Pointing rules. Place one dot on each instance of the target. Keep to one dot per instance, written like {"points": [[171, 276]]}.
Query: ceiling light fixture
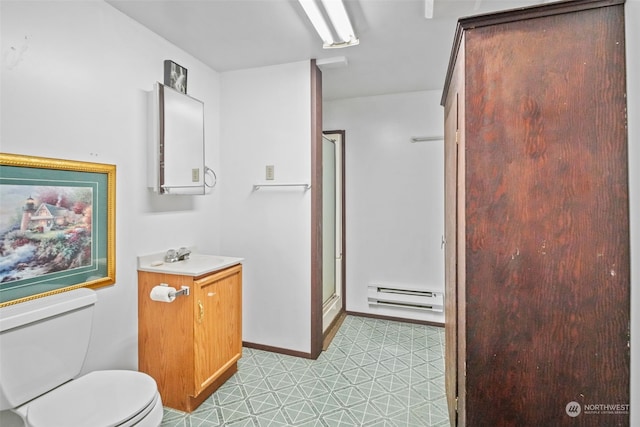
{"points": [[335, 13]]}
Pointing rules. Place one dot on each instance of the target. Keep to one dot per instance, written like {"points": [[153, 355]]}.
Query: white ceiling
{"points": [[399, 51]]}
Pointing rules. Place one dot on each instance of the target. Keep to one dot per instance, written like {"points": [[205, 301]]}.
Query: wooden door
{"points": [[217, 325]]}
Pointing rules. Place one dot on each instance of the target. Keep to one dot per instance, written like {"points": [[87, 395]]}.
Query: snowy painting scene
{"points": [[43, 230]]}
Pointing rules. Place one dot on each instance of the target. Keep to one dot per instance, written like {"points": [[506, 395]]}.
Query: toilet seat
{"points": [[100, 398]]}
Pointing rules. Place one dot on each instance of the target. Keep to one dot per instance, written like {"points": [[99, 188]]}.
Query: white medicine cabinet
{"points": [[176, 142]]}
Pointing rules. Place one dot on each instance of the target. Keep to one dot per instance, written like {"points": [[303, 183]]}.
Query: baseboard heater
{"points": [[406, 297]]}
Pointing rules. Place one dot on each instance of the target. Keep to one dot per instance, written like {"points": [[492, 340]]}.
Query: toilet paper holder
{"points": [[184, 290]]}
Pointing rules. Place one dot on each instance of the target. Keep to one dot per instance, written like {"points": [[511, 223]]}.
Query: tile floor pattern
{"points": [[375, 373]]}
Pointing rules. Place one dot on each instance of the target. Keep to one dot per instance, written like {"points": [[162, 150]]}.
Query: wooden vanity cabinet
{"points": [[537, 218], [190, 346]]}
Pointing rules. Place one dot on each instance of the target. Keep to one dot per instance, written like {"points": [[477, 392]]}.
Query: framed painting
{"points": [[57, 226], [175, 76]]}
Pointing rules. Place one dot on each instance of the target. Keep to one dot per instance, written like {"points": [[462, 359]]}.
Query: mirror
{"points": [[176, 161]]}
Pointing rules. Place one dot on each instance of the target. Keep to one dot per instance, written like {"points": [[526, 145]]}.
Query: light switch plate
{"points": [[270, 173]]}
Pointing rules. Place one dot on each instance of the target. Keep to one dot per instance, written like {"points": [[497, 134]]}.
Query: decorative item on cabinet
{"points": [[176, 144], [537, 218], [190, 345]]}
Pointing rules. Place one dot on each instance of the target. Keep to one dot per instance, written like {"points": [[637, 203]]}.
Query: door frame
{"points": [[317, 335], [343, 251]]}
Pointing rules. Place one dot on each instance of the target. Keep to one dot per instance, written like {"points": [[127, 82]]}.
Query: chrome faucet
{"points": [[183, 253], [174, 256]]}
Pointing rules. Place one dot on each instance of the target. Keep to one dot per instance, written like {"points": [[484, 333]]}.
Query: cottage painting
{"points": [[44, 229]]}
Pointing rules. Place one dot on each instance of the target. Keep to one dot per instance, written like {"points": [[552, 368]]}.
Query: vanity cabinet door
{"points": [[217, 325]]}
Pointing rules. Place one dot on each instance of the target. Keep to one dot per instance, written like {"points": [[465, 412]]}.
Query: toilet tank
{"points": [[43, 343]]}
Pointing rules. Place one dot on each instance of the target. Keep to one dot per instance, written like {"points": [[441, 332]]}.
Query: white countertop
{"points": [[196, 265]]}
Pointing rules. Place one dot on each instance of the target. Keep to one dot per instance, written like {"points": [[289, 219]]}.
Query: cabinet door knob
{"points": [[201, 314]]}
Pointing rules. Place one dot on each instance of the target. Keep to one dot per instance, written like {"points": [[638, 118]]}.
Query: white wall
{"points": [[632, 10], [266, 120], [394, 195], [74, 77]]}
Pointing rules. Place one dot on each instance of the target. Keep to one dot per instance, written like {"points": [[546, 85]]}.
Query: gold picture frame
{"points": [[57, 226]]}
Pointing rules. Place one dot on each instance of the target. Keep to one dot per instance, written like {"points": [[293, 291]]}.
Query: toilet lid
{"points": [[100, 398]]}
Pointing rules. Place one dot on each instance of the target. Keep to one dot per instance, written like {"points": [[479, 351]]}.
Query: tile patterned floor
{"points": [[375, 373]]}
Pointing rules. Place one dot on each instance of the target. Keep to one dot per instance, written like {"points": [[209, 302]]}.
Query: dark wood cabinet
{"points": [[537, 222]]}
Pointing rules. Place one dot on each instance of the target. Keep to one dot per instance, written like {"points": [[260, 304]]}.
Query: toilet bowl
{"points": [[42, 347], [100, 398]]}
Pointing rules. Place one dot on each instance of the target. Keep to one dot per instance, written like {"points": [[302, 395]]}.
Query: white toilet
{"points": [[43, 343]]}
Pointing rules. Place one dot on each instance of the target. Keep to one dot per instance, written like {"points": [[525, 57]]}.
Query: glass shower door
{"points": [[331, 228]]}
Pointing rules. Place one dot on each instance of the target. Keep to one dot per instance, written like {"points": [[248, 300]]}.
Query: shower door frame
{"points": [[339, 261]]}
